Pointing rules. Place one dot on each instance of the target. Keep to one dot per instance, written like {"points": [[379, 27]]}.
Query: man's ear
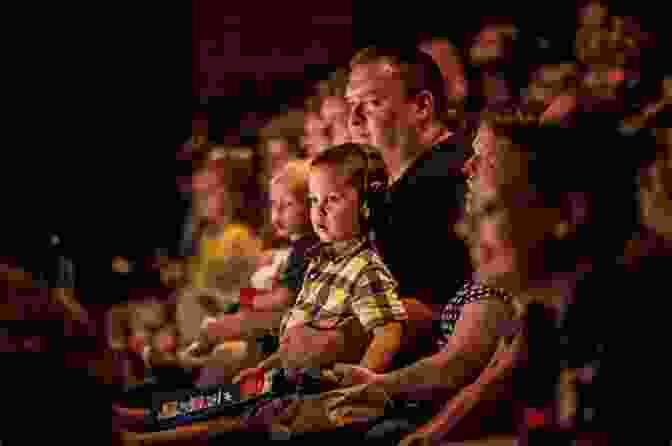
{"points": [[424, 104]]}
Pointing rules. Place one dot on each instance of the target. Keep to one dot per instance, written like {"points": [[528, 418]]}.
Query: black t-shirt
{"points": [[413, 225]]}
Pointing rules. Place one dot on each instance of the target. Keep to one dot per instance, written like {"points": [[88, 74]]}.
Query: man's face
{"points": [[335, 116], [334, 205], [380, 112], [452, 70]]}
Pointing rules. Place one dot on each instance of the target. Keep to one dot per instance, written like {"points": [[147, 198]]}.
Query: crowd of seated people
{"points": [[448, 246]]}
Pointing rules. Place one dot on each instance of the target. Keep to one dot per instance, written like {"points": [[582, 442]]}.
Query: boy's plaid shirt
{"points": [[343, 280]]}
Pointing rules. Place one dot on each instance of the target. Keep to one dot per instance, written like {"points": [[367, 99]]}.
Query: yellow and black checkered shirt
{"points": [[345, 279]]}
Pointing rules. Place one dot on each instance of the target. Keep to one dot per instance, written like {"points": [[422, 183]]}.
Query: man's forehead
{"points": [[371, 76], [333, 105]]}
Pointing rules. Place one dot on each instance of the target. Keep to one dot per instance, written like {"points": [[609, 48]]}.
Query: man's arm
{"points": [[467, 353]]}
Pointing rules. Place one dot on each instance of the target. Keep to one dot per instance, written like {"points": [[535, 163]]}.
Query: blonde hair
{"points": [[295, 175]]}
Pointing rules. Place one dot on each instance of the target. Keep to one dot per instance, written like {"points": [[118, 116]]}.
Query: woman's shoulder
{"points": [[473, 291]]}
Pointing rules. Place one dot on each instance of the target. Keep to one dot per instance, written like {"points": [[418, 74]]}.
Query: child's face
{"points": [[334, 205], [289, 214]]}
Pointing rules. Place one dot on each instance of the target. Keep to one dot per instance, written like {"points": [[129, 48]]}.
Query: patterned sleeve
{"points": [[375, 300]]}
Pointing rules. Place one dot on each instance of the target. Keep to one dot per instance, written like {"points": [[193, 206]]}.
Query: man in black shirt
{"points": [[396, 98]]}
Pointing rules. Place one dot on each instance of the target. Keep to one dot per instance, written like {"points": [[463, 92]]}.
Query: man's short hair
{"points": [[417, 69]]}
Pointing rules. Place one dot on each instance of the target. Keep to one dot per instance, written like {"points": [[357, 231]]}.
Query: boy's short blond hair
{"points": [[295, 175]]}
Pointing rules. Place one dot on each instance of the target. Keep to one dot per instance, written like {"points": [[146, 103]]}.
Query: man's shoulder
{"points": [[442, 162]]}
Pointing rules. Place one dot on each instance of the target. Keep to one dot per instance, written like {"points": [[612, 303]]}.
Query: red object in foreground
{"points": [[616, 76], [252, 384], [247, 296], [535, 418]]}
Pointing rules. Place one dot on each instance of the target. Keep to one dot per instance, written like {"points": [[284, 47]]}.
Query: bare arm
{"points": [[385, 344], [468, 351], [493, 382]]}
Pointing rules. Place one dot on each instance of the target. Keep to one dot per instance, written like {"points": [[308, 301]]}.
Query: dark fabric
{"points": [[297, 263], [629, 385], [414, 225]]}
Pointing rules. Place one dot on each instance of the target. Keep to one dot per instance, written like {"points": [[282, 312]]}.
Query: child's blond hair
{"points": [[295, 175]]}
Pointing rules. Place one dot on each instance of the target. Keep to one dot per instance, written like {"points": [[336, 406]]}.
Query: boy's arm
{"points": [[385, 343], [376, 303]]}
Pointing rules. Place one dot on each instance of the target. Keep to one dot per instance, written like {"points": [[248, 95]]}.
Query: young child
{"points": [[290, 220], [275, 291], [346, 285]]}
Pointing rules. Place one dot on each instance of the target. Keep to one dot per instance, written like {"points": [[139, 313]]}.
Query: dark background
{"points": [[115, 87]]}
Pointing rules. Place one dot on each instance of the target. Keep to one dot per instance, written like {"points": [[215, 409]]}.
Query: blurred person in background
{"points": [[501, 57], [326, 123], [229, 244], [55, 366], [280, 141], [449, 61]]}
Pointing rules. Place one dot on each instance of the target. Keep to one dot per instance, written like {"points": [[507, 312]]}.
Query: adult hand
{"points": [[559, 108], [417, 438], [352, 375]]}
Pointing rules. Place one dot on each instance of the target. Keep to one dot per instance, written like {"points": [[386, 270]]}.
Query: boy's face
{"points": [[334, 205], [289, 214]]}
